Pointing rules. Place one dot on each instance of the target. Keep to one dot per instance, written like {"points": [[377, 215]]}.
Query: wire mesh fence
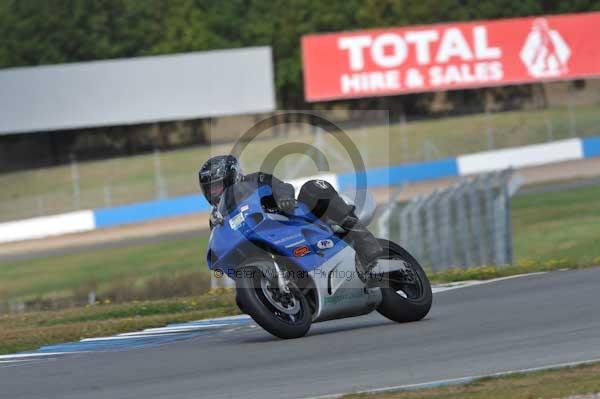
{"points": [[158, 175], [464, 225]]}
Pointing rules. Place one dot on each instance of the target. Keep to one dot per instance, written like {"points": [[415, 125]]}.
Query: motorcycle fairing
{"points": [[339, 291], [248, 230]]}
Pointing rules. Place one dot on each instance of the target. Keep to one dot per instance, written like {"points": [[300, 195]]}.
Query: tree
{"points": [[35, 32]]}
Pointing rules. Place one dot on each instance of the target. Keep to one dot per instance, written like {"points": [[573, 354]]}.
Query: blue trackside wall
{"points": [[400, 174], [591, 147], [151, 210]]}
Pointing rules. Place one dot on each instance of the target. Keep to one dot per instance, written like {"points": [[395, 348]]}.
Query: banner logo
{"points": [[545, 53]]}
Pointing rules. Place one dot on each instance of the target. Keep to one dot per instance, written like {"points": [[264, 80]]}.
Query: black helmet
{"points": [[217, 174]]}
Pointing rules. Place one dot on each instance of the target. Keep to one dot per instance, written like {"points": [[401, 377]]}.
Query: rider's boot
{"points": [[367, 247]]}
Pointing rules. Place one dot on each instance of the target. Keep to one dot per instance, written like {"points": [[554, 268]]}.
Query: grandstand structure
{"points": [[52, 114]]}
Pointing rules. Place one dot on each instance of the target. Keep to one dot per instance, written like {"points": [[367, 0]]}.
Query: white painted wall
{"points": [[74, 222], [531, 155]]}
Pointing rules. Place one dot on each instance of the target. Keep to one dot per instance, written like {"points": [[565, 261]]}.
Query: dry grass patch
{"points": [[540, 385]]}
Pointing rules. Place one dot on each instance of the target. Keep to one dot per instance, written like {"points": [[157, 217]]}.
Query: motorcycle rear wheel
{"points": [[284, 315], [405, 300]]}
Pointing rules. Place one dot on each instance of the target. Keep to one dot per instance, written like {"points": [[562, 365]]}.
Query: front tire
{"points": [[283, 315], [404, 301]]}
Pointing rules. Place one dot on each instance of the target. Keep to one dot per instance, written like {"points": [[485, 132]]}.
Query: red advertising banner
{"points": [[450, 56]]}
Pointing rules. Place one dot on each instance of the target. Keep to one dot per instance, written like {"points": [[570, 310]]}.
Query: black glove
{"points": [[215, 218], [286, 205]]}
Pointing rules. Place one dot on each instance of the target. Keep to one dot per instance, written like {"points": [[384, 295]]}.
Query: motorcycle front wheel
{"points": [[285, 315], [407, 295]]}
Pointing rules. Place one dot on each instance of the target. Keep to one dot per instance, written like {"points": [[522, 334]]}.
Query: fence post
{"points": [[513, 184], [489, 130], [320, 144], [161, 191], [450, 228], [503, 216], [383, 222], [417, 230], [570, 101], [549, 128], [40, 205], [462, 225], [364, 138], [432, 233], [404, 137], [475, 219], [490, 222], [107, 196], [500, 230], [429, 232], [75, 182], [405, 226]]}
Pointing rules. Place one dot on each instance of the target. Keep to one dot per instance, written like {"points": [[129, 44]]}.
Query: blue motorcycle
{"points": [[292, 270]]}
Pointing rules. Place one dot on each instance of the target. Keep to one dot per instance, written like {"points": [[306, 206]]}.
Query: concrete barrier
{"points": [[47, 226], [531, 155]]}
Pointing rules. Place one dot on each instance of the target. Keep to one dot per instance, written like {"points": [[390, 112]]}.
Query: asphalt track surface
{"points": [[519, 323]]}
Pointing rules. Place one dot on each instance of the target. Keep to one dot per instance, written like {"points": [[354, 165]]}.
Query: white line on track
{"points": [[21, 358], [471, 283], [183, 328], [154, 332], [16, 361], [226, 318], [457, 381], [31, 355], [116, 338]]}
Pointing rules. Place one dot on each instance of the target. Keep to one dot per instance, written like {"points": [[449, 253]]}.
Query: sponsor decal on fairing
{"points": [[237, 221], [324, 244], [301, 251]]}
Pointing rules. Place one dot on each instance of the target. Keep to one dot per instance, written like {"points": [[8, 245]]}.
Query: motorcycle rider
{"points": [[219, 180]]}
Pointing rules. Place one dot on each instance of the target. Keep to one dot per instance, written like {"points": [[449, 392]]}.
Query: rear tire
{"points": [[257, 298], [416, 300]]}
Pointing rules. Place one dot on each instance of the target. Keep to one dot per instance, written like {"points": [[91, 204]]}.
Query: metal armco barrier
{"points": [[464, 225]]}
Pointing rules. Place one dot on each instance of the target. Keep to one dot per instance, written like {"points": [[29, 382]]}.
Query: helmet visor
{"points": [[215, 190]]}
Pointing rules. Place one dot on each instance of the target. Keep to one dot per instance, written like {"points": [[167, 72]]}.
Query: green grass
{"points": [[126, 180], [560, 383], [150, 269], [558, 226], [30, 330]]}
